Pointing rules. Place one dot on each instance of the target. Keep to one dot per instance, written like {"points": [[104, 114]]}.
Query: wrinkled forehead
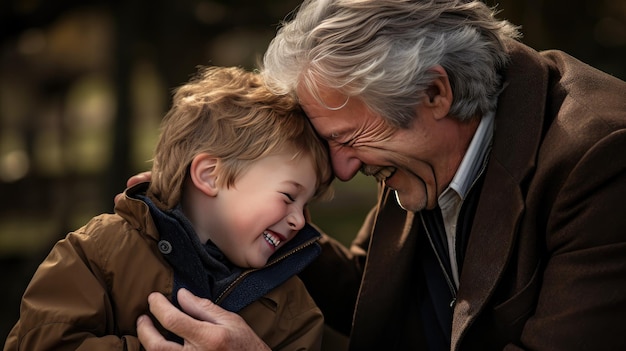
{"points": [[319, 100]]}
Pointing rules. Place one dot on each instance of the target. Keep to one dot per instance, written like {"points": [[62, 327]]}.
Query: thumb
{"points": [[199, 308]]}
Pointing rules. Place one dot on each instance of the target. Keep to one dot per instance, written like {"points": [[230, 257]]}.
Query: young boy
{"points": [[233, 170]]}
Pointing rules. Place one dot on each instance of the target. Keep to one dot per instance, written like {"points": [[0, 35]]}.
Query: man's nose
{"points": [[345, 164]]}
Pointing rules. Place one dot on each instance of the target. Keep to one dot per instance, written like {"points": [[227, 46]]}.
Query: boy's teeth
{"points": [[271, 239]]}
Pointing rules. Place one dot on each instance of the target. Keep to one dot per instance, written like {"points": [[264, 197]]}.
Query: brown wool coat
{"points": [[545, 267], [89, 291]]}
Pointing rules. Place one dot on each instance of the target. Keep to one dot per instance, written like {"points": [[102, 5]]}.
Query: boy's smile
{"points": [[274, 239]]}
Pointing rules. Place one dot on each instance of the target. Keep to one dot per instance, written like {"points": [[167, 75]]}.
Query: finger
{"points": [[150, 337], [171, 317], [199, 308], [139, 178], [216, 328], [117, 198]]}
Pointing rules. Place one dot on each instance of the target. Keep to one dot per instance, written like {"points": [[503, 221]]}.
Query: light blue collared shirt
{"points": [[452, 198]]}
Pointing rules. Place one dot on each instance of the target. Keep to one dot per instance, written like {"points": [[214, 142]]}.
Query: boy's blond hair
{"points": [[228, 113]]}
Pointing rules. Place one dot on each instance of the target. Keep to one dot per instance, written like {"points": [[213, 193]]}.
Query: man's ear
{"points": [[203, 172], [439, 94]]}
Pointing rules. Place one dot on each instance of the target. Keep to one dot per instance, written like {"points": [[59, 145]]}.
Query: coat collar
{"points": [[518, 129], [136, 212]]}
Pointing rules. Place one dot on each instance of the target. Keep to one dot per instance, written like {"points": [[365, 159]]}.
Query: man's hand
{"points": [[206, 327], [136, 179]]}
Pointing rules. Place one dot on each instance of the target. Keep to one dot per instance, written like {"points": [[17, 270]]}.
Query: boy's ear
{"points": [[439, 94], [203, 172]]}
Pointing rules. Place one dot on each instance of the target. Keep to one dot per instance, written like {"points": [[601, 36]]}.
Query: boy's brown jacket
{"points": [[93, 285]]}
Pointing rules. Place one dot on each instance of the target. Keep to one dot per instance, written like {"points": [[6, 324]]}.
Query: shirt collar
{"points": [[473, 160]]}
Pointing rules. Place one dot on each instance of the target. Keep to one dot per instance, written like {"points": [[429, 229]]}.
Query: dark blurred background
{"points": [[84, 84]]}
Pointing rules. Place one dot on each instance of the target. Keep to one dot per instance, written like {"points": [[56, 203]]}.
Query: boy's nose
{"points": [[296, 220]]}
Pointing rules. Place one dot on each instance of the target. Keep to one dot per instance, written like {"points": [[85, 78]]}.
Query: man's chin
{"points": [[410, 205]]}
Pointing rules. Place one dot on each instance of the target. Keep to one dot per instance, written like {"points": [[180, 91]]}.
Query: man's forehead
{"points": [[319, 99]]}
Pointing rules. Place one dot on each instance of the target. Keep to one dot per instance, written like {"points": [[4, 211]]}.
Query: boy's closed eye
{"points": [[289, 197]]}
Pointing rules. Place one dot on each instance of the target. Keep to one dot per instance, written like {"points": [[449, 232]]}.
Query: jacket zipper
{"points": [[236, 282]]}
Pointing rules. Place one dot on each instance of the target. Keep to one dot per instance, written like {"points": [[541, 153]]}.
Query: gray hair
{"points": [[382, 52]]}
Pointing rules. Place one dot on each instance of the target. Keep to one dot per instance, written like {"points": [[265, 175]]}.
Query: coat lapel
{"points": [[518, 128], [387, 273]]}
